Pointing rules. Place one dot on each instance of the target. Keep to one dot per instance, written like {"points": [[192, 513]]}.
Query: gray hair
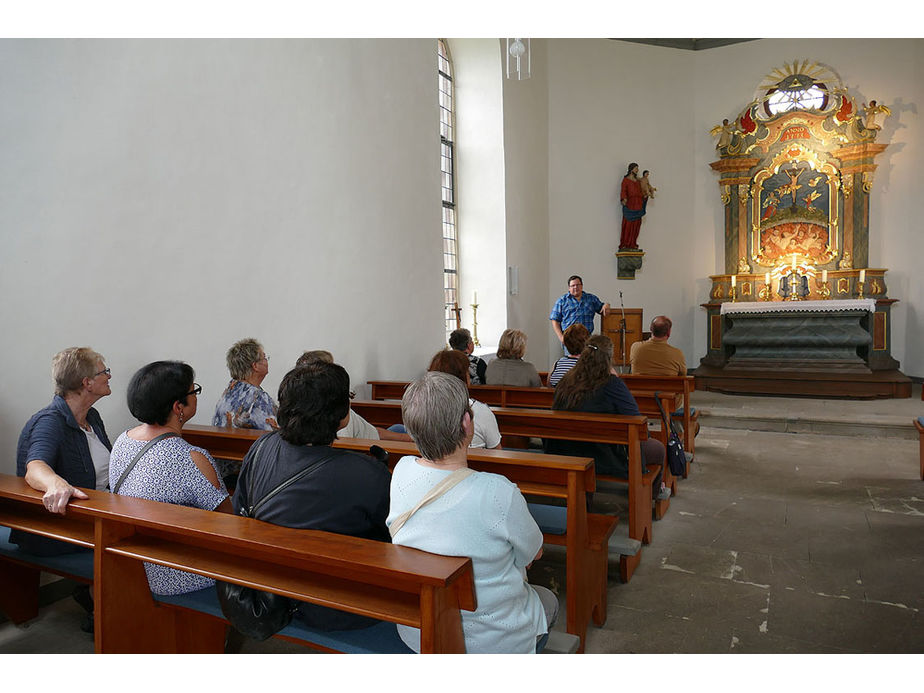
{"points": [[71, 366], [432, 409], [241, 357]]}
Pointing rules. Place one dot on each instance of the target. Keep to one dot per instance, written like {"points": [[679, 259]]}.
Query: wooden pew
{"points": [[567, 425], [585, 536], [681, 386], [543, 397], [391, 583], [919, 424]]}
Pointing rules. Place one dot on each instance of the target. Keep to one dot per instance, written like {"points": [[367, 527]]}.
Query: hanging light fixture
{"points": [[519, 57]]}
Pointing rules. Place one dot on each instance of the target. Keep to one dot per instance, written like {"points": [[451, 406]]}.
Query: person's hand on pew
{"points": [[272, 422], [57, 491]]}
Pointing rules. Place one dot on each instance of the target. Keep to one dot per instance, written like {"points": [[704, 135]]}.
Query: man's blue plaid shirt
{"points": [[569, 310]]}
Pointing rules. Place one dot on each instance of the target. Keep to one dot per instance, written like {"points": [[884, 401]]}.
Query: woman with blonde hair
{"points": [[509, 368], [64, 447], [593, 386]]}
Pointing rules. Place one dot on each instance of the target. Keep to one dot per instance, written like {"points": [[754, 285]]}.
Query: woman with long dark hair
{"points": [[593, 386]]}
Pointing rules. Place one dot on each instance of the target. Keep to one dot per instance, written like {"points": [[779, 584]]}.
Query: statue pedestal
{"points": [[627, 262]]}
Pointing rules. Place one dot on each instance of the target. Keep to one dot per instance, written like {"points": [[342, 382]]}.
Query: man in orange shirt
{"points": [[656, 356]]}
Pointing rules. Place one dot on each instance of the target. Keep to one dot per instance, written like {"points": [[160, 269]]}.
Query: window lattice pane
{"points": [[447, 184]]}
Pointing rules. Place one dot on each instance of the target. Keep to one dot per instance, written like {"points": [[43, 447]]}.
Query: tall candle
{"points": [[824, 276], [734, 280], [794, 261], [767, 279], [475, 297], [862, 275]]}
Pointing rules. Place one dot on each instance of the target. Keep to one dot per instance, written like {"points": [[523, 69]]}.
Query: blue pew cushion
{"points": [[77, 564], [381, 638], [552, 519]]}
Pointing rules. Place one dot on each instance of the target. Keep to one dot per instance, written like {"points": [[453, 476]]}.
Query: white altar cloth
{"points": [[798, 306]]}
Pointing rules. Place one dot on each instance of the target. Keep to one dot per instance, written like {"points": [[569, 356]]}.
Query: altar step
{"points": [[802, 381], [866, 418]]}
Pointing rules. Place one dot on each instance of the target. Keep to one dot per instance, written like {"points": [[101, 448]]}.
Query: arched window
{"points": [[447, 152]]}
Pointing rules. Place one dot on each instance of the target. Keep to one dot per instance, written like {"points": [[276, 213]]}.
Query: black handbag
{"points": [[676, 459], [254, 613]]}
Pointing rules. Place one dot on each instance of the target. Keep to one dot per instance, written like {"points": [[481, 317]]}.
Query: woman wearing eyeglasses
{"points": [[64, 447], [153, 461], [244, 404]]}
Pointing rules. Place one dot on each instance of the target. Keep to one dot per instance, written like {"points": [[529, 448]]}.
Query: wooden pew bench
{"points": [[395, 584], [562, 479], [567, 425], [919, 424], [680, 386], [543, 397]]}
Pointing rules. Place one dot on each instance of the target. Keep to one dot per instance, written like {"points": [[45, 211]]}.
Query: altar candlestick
{"points": [[863, 275]]}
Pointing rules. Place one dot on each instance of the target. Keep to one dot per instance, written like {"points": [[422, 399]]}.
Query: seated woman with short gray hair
{"points": [[466, 513], [244, 404]]}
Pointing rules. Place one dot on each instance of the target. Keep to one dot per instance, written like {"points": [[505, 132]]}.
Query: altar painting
{"points": [[793, 213]]}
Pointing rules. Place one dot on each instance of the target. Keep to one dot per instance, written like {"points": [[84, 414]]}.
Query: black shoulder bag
{"points": [[676, 459], [255, 613]]}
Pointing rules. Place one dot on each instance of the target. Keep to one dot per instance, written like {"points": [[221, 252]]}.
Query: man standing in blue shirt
{"points": [[576, 306]]}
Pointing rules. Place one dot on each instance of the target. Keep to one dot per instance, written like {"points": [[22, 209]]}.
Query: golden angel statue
{"points": [[872, 113], [725, 132]]}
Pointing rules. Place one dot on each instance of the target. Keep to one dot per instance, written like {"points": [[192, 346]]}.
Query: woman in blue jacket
{"points": [[64, 447]]}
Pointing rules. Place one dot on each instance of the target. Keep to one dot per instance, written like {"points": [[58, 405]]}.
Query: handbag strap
{"points": [[131, 465], [664, 417], [252, 510], [431, 495]]}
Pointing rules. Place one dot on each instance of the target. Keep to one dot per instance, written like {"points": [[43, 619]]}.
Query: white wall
{"points": [[526, 150], [162, 199], [612, 103]]}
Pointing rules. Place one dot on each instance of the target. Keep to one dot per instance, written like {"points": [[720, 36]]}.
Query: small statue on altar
{"points": [[872, 113], [725, 133]]}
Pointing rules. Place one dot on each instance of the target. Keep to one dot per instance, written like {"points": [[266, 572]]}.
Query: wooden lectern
{"points": [[611, 328]]}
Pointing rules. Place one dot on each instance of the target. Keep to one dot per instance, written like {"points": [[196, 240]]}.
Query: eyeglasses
{"points": [[197, 389], [107, 371]]}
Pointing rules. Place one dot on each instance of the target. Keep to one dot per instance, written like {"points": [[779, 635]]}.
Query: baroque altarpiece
{"points": [[797, 309]]}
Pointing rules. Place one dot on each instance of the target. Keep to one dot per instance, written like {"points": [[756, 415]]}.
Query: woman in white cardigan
{"points": [[480, 515]]}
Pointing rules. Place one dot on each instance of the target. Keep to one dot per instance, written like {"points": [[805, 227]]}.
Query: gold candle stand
{"points": [[475, 324]]}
